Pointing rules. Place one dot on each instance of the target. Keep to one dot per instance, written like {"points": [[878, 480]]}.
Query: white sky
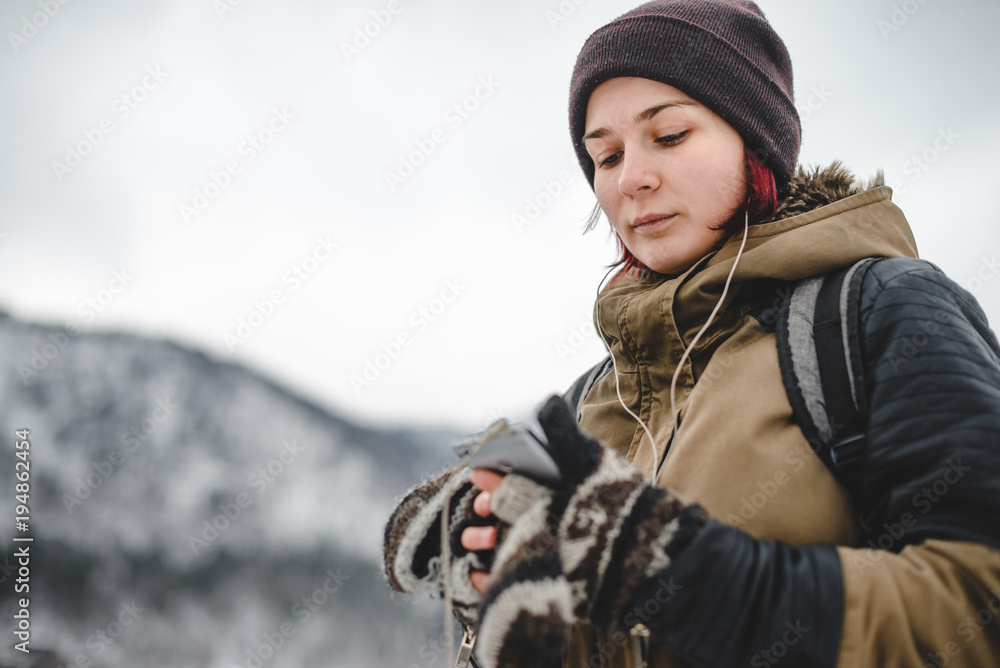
{"points": [[518, 323]]}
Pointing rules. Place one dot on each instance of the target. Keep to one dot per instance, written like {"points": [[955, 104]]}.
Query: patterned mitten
{"points": [[412, 543], [574, 552]]}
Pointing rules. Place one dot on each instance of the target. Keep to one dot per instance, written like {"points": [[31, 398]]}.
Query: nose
{"points": [[638, 173]]}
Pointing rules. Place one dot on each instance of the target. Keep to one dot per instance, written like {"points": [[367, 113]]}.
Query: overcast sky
{"points": [[376, 203]]}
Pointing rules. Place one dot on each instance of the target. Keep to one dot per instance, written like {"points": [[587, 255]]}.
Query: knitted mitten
{"points": [[574, 552], [412, 542]]}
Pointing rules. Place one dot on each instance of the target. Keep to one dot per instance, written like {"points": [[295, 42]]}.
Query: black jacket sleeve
{"points": [[932, 375], [931, 371]]}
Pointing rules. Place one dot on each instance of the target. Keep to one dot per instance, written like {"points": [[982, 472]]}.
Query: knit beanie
{"points": [[722, 53]]}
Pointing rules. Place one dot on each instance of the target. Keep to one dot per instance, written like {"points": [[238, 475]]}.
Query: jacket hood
{"points": [[826, 220]]}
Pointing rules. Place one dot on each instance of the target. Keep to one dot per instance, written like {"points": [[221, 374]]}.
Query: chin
{"points": [[662, 265], [670, 268]]}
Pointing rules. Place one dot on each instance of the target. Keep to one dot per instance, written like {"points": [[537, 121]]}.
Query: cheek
{"points": [[609, 200], [713, 173], [718, 180]]}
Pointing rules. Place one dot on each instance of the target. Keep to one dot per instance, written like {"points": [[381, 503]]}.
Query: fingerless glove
{"points": [[412, 541], [577, 551]]}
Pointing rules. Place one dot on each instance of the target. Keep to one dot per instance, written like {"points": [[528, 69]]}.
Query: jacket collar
{"points": [[826, 220]]}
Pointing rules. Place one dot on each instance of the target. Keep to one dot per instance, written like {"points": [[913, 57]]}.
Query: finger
{"points": [[486, 479], [482, 504], [516, 496], [479, 538], [480, 581]]}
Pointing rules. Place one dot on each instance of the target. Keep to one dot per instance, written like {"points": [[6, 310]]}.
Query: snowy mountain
{"points": [[189, 512]]}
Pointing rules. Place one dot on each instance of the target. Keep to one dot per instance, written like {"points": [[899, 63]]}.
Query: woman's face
{"points": [[667, 170]]}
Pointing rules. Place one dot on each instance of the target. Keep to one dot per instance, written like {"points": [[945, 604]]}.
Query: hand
{"points": [[412, 543], [573, 552], [482, 538]]}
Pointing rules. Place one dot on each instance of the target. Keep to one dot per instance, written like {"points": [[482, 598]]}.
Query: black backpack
{"points": [[819, 351]]}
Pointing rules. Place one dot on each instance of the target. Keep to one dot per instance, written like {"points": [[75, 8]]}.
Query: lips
{"points": [[652, 221]]}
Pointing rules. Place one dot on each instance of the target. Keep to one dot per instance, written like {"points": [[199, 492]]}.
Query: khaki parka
{"points": [[739, 453]]}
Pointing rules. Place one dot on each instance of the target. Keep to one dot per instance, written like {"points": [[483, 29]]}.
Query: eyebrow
{"points": [[641, 117]]}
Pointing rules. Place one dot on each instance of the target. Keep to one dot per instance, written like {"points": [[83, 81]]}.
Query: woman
{"points": [[693, 515]]}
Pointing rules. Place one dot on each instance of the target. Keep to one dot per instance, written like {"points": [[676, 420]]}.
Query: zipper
{"points": [[640, 641], [465, 651], [670, 444]]}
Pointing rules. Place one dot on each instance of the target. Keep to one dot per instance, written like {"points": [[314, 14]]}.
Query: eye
{"points": [[670, 140], [610, 160]]}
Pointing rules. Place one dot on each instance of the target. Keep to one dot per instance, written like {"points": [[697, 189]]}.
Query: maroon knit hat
{"points": [[723, 53]]}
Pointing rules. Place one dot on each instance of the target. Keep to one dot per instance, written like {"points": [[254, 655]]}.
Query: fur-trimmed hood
{"points": [[812, 188], [826, 220]]}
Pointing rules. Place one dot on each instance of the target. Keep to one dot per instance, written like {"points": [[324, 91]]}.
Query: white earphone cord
{"points": [[684, 357], [445, 546]]}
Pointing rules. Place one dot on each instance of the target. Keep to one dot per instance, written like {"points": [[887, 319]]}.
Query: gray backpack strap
{"points": [[577, 392], [819, 352]]}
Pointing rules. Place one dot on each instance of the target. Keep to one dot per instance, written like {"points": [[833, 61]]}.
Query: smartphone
{"points": [[519, 448]]}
